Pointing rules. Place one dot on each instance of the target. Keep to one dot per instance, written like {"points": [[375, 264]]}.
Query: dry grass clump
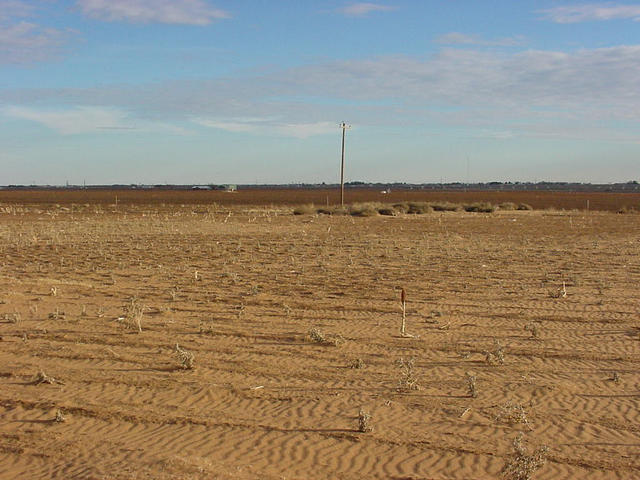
{"points": [[11, 317], [512, 414], [334, 210], [56, 315], [561, 292], [364, 209], [185, 357], [367, 209], [402, 207], [42, 377], [205, 329], [408, 380], [524, 206], [364, 422], [133, 312], [533, 328], [358, 363], [173, 294], [445, 207], [626, 209], [59, 418], [522, 464], [370, 209], [472, 388], [340, 210], [479, 207], [416, 208], [316, 335], [387, 211], [308, 209], [497, 356]]}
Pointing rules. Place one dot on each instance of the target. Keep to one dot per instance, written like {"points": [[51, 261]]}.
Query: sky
{"points": [[254, 91]]}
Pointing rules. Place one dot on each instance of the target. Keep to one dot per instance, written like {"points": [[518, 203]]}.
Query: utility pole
{"points": [[344, 127]]}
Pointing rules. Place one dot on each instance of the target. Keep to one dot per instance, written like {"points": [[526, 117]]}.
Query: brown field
{"points": [[537, 199], [96, 297]]}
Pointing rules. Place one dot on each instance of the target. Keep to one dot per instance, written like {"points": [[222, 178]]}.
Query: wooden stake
{"points": [[403, 301]]}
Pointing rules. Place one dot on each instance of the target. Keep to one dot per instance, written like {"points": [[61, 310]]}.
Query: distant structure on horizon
{"points": [[632, 186], [227, 187]]}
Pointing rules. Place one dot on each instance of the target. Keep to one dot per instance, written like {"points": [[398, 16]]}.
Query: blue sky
{"points": [[244, 91]]}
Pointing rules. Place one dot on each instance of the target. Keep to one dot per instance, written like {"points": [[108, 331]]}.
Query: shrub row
{"points": [[417, 208]]}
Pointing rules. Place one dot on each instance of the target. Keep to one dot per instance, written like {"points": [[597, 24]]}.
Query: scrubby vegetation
{"points": [[370, 209]]}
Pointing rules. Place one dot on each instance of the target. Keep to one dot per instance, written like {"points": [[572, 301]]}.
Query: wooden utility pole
{"points": [[344, 127]]}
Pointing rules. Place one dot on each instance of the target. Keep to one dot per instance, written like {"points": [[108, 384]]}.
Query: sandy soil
{"points": [[240, 289]]}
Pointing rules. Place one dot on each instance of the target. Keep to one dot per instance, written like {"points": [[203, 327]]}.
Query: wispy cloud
{"points": [[604, 77], [228, 125], [86, 119], [496, 134], [362, 9], [22, 41], [267, 126], [14, 8], [186, 12], [26, 42], [305, 130], [456, 38], [457, 86], [592, 12], [72, 121]]}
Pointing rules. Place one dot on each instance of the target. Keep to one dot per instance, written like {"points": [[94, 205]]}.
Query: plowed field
{"points": [[538, 199]]}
